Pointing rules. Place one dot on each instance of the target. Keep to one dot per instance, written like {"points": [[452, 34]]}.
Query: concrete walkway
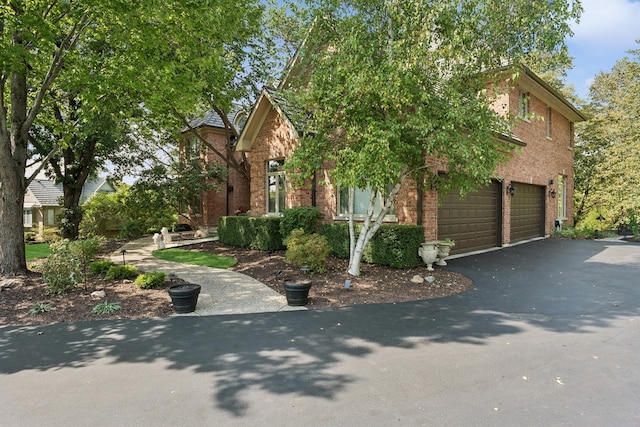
{"points": [[223, 291]]}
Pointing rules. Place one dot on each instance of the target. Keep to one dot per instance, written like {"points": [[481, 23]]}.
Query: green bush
{"points": [[261, 233], [106, 308], [396, 246], [61, 271], [100, 267], [305, 217], [307, 249], [50, 234], [131, 229], [151, 280], [121, 272], [30, 236], [393, 245]]}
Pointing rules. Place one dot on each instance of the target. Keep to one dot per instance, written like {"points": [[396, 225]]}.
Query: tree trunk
{"points": [[72, 213], [12, 255]]}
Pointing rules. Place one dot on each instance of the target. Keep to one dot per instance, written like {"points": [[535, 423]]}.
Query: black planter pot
{"points": [[184, 297], [297, 291]]}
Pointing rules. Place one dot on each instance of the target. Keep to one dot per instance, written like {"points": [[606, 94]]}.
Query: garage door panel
{"points": [[473, 221], [527, 212]]}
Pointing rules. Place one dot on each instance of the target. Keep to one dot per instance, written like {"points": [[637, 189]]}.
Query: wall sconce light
{"points": [[552, 193], [550, 182], [230, 188], [511, 190]]}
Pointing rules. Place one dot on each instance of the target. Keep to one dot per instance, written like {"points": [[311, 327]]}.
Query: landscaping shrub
{"points": [[50, 234], [150, 280], [121, 272], [100, 267], [131, 229], [307, 249], [30, 236], [337, 234], [305, 217], [396, 246], [61, 271], [261, 233]]}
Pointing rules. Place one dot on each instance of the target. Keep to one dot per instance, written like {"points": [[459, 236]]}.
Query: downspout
{"points": [[314, 185]]}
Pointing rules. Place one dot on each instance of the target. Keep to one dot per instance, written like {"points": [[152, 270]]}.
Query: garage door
{"points": [[527, 212], [473, 222]]}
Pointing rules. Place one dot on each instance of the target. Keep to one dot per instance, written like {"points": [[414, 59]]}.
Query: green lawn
{"points": [[195, 258], [37, 250]]}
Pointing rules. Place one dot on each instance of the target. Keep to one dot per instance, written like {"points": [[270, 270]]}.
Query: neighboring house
{"points": [[233, 197], [42, 201], [526, 197]]}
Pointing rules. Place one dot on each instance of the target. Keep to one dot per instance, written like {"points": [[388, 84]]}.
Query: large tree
{"points": [[398, 90], [608, 159], [89, 63]]}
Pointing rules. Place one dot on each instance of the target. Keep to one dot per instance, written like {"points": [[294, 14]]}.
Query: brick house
{"points": [[233, 196], [526, 197]]}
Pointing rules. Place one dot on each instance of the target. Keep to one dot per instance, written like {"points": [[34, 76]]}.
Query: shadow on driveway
{"points": [[557, 285]]}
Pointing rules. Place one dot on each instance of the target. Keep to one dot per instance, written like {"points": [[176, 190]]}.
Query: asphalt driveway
{"points": [[549, 336]]}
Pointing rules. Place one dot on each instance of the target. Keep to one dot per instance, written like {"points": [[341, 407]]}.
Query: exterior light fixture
{"points": [[552, 193], [123, 251], [511, 190]]}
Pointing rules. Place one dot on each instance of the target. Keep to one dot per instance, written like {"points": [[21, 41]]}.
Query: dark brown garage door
{"points": [[527, 212], [473, 222]]}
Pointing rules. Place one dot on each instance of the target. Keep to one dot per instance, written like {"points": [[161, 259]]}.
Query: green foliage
{"points": [[305, 217], [100, 267], [86, 249], [37, 250], [41, 307], [607, 165], [50, 234], [30, 236], [121, 272], [150, 280], [395, 246], [106, 308], [131, 229], [194, 257], [337, 234], [591, 222], [250, 232], [61, 271], [103, 215], [574, 233], [309, 250]]}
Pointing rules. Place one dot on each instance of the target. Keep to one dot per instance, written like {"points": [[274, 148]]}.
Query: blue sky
{"points": [[607, 29]]}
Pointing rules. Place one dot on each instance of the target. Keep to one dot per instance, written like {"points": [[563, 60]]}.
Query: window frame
{"points": [[562, 197], [27, 218], [280, 186], [342, 215], [524, 106], [548, 122]]}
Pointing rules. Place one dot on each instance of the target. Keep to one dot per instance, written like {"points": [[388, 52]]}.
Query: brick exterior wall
{"points": [[233, 195], [542, 159]]}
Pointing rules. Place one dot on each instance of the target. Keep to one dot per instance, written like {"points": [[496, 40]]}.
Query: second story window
{"points": [[193, 149], [523, 104], [547, 120]]}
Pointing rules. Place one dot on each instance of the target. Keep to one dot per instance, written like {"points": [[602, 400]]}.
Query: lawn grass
{"points": [[36, 250], [195, 258]]}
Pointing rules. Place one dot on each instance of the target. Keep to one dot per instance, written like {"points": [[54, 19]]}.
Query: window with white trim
{"points": [[523, 104], [548, 122], [562, 196], [27, 218], [51, 216], [361, 203], [276, 187]]}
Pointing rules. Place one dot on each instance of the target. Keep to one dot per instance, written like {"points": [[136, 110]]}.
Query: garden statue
{"points": [[157, 239]]}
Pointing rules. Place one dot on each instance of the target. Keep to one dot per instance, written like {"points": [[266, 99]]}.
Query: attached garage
{"points": [[474, 222], [527, 212]]}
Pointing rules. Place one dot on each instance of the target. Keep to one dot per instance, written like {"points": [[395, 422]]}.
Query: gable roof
{"points": [[45, 192], [269, 100], [212, 119]]}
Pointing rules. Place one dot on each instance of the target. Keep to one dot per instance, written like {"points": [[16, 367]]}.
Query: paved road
{"points": [[549, 337]]}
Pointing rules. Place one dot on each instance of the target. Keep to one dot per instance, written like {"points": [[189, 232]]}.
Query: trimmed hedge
{"points": [[305, 217], [261, 233], [393, 245]]}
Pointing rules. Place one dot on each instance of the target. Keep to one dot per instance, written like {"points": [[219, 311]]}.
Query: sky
{"points": [[607, 29]]}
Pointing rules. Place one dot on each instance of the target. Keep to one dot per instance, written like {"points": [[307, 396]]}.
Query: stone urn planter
{"points": [[297, 291], [184, 297], [444, 248], [429, 253]]}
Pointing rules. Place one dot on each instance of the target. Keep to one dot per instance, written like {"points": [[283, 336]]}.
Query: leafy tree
{"points": [[399, 90], [82, 59], [608, 159]]}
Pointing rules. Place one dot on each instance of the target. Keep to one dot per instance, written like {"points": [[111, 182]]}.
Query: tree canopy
{"points": [[75, 70], [398, 89], [608, 159]]}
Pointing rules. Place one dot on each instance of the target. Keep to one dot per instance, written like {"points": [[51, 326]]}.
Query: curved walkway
{"points": [[223, 291]]}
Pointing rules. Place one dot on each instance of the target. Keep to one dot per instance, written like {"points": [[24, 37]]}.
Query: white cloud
{"points": [[611, 23]]}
